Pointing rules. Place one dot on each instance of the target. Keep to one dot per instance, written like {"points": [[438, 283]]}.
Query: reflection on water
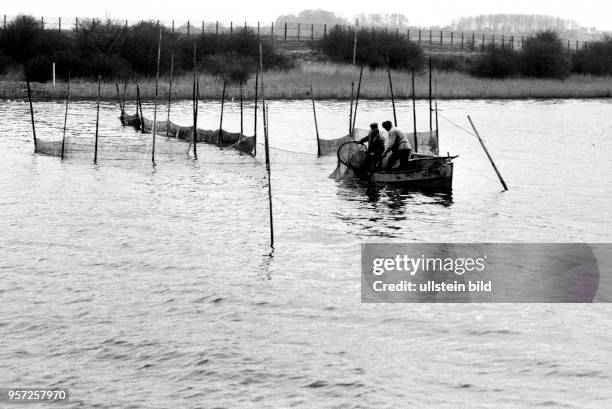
{"points": [[119, 276]]}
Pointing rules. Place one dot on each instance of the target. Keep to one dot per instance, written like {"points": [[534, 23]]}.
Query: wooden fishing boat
{"points": [[422, 171]]}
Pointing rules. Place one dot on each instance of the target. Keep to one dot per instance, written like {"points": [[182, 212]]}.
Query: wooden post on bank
{"points": [[501, 179]]}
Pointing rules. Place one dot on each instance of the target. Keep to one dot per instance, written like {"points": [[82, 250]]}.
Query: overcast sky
{"points": [[589, 13]]}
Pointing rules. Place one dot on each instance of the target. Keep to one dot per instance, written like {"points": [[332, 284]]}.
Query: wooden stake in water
{"points": [[196, 102], [119, 98], [391, 88], [221, 119], [97, 120], [31, 106], [351, 110], [66, 114], [355, 49], [267, 151], [314, 111], [414, 118], [436, 109], [139, 110], [156, 94], [501, 179], [170, 94], [357, 98], [430, 99], [241, 113], [255, 117]]}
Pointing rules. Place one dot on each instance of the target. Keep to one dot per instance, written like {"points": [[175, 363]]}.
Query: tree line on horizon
{"points": [[110, 49], [114, 51]]}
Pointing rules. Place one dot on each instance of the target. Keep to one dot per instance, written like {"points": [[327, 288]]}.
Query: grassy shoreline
{"points": [[330, 81]]}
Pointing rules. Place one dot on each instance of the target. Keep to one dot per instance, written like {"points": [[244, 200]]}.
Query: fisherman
{"points": [[398, 145], [376, 146]]}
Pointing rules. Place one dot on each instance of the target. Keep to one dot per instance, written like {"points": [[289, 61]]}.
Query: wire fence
{"points": [[308, 33]]}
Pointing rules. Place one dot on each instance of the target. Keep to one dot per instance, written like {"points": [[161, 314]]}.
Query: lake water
{"points": [[142, 286]]}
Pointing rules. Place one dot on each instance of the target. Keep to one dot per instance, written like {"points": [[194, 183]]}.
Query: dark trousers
{"points": [[402, 155]]}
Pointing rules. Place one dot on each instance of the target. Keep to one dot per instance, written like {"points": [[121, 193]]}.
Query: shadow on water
{"points": [[395, 198]]}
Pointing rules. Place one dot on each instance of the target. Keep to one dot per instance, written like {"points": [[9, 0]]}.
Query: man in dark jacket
{"points": [[376, 146]]}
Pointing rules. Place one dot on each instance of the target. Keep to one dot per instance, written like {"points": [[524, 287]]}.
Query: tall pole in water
{"points": [[31, 106], [241, 113], [196, 89], [357, 98], [255, 116], [314, 111], [430, 103], [221, 119], [156, 94], [139, 110], [351, 111], [436, 108], [414, 119], [170, 94], [501, 179], [120, 99], [267, 150], [391, 88], [97, 120], [66, 115]]}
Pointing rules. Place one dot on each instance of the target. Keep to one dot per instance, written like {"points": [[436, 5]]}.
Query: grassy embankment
{"points": [[332, 81]]}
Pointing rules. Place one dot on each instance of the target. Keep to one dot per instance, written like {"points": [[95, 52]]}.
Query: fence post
{"points": [[408, 33], [258, 29], [272, 31], [397, 32], [462, 40], [473, 40], [483, 42], [512, 42], [324, 31], [245, 26], [298, 31], [76, 23], [419, 36], [503, 42], [172, 26], [430, 38], [285, 37], [568, 46], [312, 32], [577, 47], [42, 23], [59, 24], [452, 36], [188, 27], [493, 39], [441, 33], [522, 42], [5, 21], [231, 28]]}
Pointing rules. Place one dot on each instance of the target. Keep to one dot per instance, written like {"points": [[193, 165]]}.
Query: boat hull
{"points": [[438, 175]]}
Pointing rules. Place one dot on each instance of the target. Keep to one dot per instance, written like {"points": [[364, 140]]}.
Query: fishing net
{"points": [[171, 141], [330, 146], [427, 142], [352, 161]]}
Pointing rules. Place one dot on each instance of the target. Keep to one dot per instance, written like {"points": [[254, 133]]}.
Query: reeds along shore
{"points": [[330, 81]]}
